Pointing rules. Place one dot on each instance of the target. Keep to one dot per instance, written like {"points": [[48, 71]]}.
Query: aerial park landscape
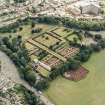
{"points": [[48, 57]]}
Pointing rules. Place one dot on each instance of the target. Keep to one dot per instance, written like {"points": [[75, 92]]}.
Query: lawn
{"points": [[90, 91], [47, 40], [71, 37], [33, 57], [61, 31], [29, 46], [26, 31], [43, 71]]}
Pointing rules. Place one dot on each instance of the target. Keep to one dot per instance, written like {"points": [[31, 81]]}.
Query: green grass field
{"points": [[47, 40], [26, 31], [71, 37], [90, 91], [61, 31], [43, 71]]}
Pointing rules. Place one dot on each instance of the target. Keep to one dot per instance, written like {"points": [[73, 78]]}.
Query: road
{"points": [[9, 70]]}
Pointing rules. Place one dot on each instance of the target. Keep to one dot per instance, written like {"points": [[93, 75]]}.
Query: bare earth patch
{"points": [[76, 75]]}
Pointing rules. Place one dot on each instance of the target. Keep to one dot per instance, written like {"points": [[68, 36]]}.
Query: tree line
{"points": [[18, 53], [73, 23], [89, 25]]}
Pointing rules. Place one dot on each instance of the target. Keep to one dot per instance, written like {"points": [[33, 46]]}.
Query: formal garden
{"points": [[47, 40], [68, 58], [62, 32]]}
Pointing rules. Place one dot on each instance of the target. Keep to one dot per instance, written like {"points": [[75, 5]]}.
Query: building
{"points": [[90, 8], [85, 7]]}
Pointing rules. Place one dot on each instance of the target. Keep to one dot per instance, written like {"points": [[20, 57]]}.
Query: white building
{"points": [[86, 7], [90, 8]]}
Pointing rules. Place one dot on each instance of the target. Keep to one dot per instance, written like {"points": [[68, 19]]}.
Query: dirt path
{"points": [[9, 70]]}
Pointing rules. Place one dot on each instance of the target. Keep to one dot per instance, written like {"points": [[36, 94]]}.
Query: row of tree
{"points": [[73, 23], [18, 53], [68, 22]]}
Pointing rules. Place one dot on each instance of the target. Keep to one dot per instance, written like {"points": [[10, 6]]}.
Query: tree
{"points": [[75, 40], [5, 40], [83, 57], [42, 84], [33, 25], [74, 64], [96, 47], [102, 43], [20, 28], [23, 61], [54, 73], [80, 38], [30, 98], [30, 76], [98, 37]]}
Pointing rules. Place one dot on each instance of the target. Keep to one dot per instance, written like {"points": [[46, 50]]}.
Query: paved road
{"points": [[10, 71]]}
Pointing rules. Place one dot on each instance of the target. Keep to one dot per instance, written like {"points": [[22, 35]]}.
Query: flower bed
{"points": [[76, 75]]}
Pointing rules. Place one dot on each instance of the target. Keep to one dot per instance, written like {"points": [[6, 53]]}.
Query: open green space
{"points": [[63, 32], [71, 37], [90, 91], [29, 46], [43, 71], [33, 57], [47, 40], [26, 31]]}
